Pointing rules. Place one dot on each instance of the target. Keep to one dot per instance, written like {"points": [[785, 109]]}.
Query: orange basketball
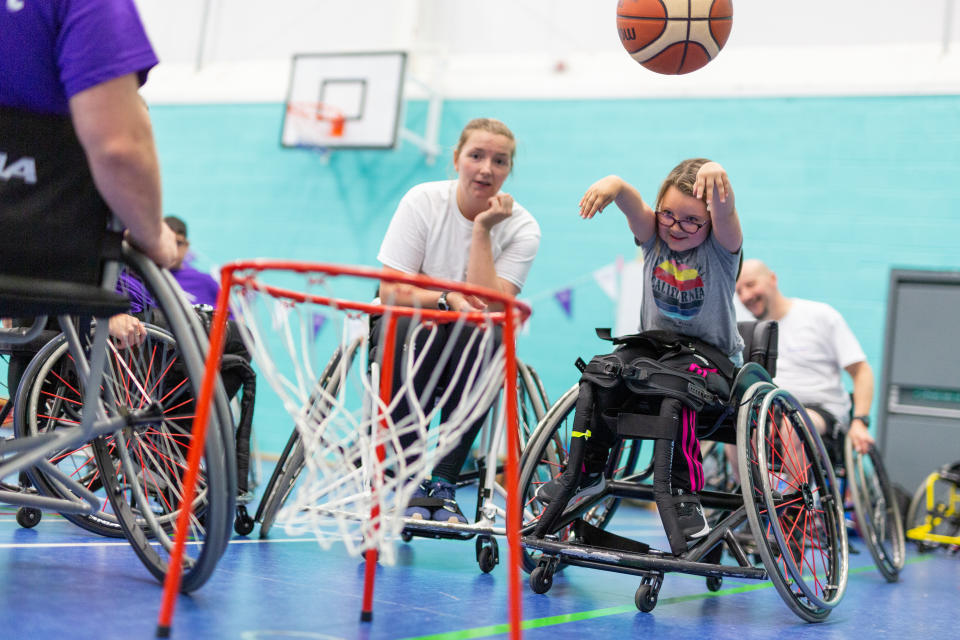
{"points": [[674, 36]]}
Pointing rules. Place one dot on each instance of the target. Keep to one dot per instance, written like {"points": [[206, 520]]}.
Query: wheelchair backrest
{"points": [[760, 343]]}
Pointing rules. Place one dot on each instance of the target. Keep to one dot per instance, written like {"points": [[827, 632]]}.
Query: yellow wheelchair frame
{"points": [[934, 515]]}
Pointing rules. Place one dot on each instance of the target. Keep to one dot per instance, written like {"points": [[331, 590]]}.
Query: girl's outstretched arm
{"points": [[640, 216], [713, 180]]}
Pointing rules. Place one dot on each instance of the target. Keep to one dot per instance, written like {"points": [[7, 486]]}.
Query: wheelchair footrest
{"points": [[592, 536], [416, 528]]}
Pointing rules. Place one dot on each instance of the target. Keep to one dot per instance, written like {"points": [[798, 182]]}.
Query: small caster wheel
{"points": [[645, 598], [541, 579], [406, 536], [28, 517], [488, 557], [714, 583], [243, 523]]}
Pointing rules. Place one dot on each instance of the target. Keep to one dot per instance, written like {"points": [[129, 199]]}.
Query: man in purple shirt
{"points": [[76, 143], [71, 115], [200, 287]]}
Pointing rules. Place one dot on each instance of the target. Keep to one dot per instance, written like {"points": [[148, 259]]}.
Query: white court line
{"points": [[124, 543]]}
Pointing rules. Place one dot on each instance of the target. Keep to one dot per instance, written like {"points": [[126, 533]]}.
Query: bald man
{"points": [[815, 347]]}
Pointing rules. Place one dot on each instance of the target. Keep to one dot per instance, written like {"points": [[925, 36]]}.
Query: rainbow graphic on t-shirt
{"points": [[677, 289]]}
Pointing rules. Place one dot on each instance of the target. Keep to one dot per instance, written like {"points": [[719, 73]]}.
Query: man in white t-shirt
{"points": [[815, 347]]}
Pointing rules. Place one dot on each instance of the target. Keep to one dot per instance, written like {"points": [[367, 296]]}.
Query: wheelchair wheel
{"points": [[875, 505], [934, 511], [142, 466], [792, 502], [533, 396], [50, 397], [545, 457], [291, 461]]}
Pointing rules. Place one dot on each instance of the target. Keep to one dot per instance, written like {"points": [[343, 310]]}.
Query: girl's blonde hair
{"points": [[683, 177], [490, 126]]}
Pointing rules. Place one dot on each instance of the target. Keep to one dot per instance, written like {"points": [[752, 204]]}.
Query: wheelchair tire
{"points": [[142, 466], [876, 507], [291, 461], [545, 457], [792, 502], [50, 397]]}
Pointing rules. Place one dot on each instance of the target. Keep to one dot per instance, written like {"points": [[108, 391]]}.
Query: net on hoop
{"points": [[315, 123], [373, 417]]}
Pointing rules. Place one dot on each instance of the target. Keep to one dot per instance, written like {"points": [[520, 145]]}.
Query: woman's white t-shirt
{"points": [[429, 235]]}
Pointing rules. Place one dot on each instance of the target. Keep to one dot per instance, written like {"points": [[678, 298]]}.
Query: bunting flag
{"points": [[317, 322], [608, 278], [565, 298]]}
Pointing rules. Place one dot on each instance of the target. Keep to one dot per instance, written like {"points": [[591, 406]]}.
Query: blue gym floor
{"points": [[61, 582]]}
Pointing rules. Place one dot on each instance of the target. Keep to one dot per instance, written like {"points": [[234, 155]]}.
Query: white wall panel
{"points": [[234, 50]]}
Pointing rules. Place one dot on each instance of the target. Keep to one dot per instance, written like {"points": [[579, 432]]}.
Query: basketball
{"points": [[674, 36]]}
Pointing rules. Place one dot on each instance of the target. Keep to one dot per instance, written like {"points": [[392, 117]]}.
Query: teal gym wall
{"points": [[832, 193]]}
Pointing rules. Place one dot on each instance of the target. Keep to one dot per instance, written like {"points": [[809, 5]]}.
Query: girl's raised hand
{"points": [[599, 195], [712, 176]]}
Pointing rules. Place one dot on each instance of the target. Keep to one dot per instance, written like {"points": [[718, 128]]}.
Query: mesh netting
{"points": [[367, 443]]}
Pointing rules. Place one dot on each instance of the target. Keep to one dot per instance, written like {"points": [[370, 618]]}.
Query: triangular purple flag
{"points": [[565, 297], [318, 321]]}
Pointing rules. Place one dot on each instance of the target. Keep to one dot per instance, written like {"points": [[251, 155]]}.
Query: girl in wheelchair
{"points": [[691, 241]]}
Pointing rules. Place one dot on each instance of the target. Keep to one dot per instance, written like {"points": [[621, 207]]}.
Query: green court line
{"points": [[536, 623]]}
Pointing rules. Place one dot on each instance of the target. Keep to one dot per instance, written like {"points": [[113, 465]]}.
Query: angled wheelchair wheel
{"points": [[50, 397], [792, 502], [933, 518], [875, 505], [143, 465], [545, 457], [291, 461]]}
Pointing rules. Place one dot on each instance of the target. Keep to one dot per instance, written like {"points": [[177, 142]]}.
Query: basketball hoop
{"points": [[314, 122], [358, 477]]}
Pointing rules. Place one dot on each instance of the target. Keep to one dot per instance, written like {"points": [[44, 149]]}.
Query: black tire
{"points": [[645, 598], [541, 579], [291, 461], [545, 458], [877, 510], [142, 467], [714, 583], [792, 502], [28, 517], [243, 523], [487, 558]]}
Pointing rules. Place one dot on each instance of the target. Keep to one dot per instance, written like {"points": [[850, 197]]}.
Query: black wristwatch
{"points": [[442, 303], [865, 419]]}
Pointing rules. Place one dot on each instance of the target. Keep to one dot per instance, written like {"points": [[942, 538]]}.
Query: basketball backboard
{"points": [[344, 100]]}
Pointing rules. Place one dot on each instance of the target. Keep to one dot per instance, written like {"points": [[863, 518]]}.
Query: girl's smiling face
{"points": [[687, 211]]}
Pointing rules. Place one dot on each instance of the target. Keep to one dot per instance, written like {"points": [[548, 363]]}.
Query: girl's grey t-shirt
{"points": [[691, 292]]}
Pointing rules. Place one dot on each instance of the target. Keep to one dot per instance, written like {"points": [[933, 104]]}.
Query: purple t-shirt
{"points": [[51, 50], [200, 287]]}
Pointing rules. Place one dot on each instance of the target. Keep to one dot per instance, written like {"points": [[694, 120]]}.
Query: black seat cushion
{"points": [[25, 297]]}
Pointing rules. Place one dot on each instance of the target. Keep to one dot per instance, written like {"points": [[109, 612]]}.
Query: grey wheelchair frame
{"points": [[48, 397], [139, 451]]}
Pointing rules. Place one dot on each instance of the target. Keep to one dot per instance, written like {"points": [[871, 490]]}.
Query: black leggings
{"points": [[448, 468]]}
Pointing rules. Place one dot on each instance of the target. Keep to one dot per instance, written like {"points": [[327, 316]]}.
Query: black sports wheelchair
{"points": [[786, 508]]}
